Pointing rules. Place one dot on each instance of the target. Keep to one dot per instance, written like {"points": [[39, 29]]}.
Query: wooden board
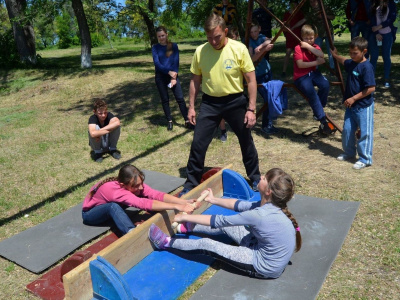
{"points": [[134, 246]]}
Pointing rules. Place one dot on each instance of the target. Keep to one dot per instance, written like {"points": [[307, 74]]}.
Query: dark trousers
{"points": [[232, 109], [162, 82], [316, 100]]}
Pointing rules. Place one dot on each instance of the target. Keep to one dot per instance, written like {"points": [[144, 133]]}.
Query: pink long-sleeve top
{"points": [[112, 192]]}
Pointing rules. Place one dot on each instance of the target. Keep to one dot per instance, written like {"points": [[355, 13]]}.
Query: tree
{"points": [[148, 10], [86, 41], [24, 35]]}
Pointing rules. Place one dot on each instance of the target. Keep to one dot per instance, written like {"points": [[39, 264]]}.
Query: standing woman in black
{"points": [[166, 62]]}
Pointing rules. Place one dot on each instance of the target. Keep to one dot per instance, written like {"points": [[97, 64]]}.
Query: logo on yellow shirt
{"points": [[229, 64]]}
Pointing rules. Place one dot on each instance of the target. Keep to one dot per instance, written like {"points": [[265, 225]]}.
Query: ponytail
{"points": [[101, 183], [169, 51], [296, 227]]}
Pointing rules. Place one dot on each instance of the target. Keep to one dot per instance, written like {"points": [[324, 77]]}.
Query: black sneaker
{"points": [[183, 192], [255, 185], [325, 129], [116, 154], [170, 126], [98, 157], [224, 137], [270, 129], [188, 125]]}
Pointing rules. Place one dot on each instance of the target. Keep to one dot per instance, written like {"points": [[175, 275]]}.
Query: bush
{"points": [[9, 56], [97, 40]]}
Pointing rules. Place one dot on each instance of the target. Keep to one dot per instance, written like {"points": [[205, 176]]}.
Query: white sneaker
{"points": [[343, 157], [359, 165]]}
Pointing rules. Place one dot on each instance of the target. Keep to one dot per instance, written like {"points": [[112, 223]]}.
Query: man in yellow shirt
{"points": [[220, 66]]}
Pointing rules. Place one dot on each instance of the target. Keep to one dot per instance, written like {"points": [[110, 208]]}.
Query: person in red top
{"points": [[307, 56], [107, 199], [295, 26]]}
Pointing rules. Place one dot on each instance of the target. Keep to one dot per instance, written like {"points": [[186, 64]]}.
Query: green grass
{"points": [[46, 166]]}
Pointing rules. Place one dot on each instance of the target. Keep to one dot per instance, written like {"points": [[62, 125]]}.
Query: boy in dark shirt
{"points": [[359, 102], [104, 131]]}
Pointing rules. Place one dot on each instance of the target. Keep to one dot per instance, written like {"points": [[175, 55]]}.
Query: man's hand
{"points": [[192, 116], [250, 119]]}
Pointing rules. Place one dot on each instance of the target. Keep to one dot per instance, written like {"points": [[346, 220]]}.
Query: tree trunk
{"points": [[24, 35], [86, 41], [149, 22]]}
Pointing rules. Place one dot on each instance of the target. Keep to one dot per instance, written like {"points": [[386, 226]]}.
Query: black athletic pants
{"points": [[232, 109]]}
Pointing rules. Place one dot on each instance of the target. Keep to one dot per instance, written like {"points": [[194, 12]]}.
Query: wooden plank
{"points": [[134, 246]]}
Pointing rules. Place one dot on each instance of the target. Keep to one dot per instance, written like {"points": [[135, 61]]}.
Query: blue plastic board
{"points": [[164, 275]]}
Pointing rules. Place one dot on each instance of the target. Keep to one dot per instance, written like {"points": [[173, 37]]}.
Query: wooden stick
{"points": [[201, 198]]}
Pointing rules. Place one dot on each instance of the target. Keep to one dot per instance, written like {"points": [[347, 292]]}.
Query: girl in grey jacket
{"points": [[266, 232]]}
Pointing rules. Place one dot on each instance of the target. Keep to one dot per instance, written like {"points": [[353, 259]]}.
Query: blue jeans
{"points": [[104, 212], [316, 100], [319, 41], [362, 118], [260, 80], [162, 82], [373, 48]]}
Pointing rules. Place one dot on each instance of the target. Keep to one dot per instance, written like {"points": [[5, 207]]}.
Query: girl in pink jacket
{"points": [[108, 199]]}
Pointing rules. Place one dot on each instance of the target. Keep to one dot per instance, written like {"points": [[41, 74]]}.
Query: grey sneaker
{"points": [[98, 157], [224, 137], [387, 85], [359, 165], [116, 154]]}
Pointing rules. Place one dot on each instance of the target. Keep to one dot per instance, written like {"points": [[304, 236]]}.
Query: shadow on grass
{"points": [[89, 180], [127, 100]]}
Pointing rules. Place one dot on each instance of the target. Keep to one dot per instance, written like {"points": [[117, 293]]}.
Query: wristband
{"points": [[252, 110]]}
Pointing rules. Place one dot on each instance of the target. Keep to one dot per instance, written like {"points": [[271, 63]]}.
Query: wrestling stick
{"points": [[201, 198]]}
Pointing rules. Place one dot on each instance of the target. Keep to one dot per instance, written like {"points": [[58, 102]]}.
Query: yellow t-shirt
{"points": [[222, 70]]}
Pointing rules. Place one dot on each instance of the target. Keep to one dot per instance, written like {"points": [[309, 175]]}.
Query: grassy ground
{"points": [[46, 166]]}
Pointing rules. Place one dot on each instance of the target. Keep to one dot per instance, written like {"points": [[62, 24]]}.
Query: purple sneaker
{"points": [[159, 239]]}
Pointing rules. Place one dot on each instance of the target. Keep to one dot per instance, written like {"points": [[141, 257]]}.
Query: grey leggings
{"points": [[240, 257]]}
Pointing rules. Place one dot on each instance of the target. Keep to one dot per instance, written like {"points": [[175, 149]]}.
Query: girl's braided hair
{"points": [[282, 191]]}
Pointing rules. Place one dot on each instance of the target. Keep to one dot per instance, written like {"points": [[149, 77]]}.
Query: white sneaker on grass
{"points": [[359, 165], [343, 157]]}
